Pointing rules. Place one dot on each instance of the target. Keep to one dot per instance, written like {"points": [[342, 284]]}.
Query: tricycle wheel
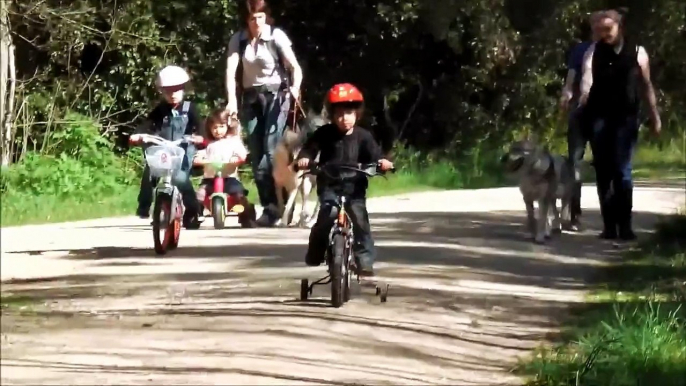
{"points": [[162, 223], [304, 289], [218, 213], [338, 280]]}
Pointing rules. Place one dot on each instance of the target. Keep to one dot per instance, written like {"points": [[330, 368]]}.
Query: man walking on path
{"points": [[577, 136], [614, 68]]}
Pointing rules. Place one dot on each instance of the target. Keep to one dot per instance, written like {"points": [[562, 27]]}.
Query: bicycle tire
{"points": [[175, 226], [338, 277], [159, 223]]}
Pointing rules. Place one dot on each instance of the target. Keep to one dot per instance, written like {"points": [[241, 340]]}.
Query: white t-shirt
{"points": [[259, 67], [223, 149]]}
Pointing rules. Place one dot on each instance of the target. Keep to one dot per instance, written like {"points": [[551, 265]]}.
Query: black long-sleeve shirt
{"points": [[336, 147]]}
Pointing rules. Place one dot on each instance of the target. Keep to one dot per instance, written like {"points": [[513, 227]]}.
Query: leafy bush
{"points": [[80, 162], [78, 176]]}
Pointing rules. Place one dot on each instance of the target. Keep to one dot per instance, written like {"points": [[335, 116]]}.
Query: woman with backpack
{"points": [[262, 76]]}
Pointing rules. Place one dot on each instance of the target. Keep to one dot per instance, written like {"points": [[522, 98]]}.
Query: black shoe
{"points": [[248, 224], [247, 218], [627, 234], [265, 221], [313, 262], [608, 234], [143, 213], [191, 222]]}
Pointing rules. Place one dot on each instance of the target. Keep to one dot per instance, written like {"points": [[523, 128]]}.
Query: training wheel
{"points": [[382, 293], [304, 289]]}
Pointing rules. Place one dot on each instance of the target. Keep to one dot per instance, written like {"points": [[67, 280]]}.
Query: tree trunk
{"points": [[7, 78]]}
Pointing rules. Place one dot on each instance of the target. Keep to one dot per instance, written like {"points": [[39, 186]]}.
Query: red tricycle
{"points": [[228, 197]]}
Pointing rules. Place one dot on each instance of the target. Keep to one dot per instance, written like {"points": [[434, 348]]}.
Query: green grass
{"points": [[26, 209], [633, 332], [653, 161], [11, 302], [662, 160]]}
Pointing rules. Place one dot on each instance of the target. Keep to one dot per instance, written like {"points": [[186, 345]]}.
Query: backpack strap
{"points": [[186, 107], [242, 45], [273, 49], [277, 54]]}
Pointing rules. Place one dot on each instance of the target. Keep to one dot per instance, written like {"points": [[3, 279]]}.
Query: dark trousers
{"points": [[264, 116], [319, 235], [577, 138], [613, 144]]}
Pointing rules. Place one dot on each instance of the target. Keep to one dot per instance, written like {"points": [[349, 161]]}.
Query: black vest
{"points": [[614, 93]]}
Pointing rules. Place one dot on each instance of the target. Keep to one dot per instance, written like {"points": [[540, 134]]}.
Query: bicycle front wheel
{"points": [[339, 282], [162, 221]]}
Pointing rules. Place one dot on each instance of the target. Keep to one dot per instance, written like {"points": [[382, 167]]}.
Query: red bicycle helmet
{"points": [[344, 93]]}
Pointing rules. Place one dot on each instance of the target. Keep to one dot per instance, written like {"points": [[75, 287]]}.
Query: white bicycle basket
{"points": [[164, 160]]}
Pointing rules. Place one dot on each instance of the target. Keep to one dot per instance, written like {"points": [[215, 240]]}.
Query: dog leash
{"points": [[298, 106]]}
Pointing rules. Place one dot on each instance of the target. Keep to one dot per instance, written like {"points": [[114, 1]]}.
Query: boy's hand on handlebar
{"points": [[385, 164], [303, 163]]}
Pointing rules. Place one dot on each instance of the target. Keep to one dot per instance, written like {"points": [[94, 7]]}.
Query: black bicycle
{"points": [[339, 255]]}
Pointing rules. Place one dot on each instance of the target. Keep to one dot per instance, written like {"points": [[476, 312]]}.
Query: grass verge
{"points": [[653, 161], [24, 209], [633, 332], [663, 160]]}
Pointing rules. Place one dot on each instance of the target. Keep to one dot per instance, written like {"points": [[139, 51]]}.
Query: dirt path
{"points": [[469, 295]]}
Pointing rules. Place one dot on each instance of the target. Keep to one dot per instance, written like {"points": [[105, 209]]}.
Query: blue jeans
{"points": [[613, 144], [264, 117], [356, 208], [577, 138]]}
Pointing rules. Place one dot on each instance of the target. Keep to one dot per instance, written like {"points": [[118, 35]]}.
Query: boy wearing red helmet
{"points": [[342, 142]]}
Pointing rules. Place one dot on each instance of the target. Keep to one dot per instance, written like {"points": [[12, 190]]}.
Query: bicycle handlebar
{"points": [[371, 169], [157, 140]]}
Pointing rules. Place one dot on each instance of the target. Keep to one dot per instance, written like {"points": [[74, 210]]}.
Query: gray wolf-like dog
{"points": [[543, 177], [285, 179]]}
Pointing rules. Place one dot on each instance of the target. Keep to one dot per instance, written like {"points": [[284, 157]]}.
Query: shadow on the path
{"points": [[475, 272]]}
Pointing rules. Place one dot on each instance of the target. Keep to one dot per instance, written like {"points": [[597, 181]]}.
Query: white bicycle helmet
{"points": [[171, 76]]}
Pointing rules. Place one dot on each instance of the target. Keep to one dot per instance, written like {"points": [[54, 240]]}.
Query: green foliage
{"points": [[632, 345], [460, 78], [638, 337], [78, 162], [77, 167]]}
